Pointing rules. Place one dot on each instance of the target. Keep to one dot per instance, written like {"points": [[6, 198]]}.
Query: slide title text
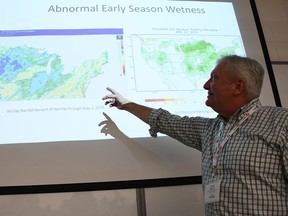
{"points": [[123, 9]]}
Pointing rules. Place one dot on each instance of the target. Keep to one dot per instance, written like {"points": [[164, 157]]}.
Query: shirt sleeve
{"points": [[285, 153], [187, 130], [152, 122]]}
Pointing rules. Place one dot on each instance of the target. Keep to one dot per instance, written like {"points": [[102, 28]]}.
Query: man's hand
{"points": [[115, 99]]}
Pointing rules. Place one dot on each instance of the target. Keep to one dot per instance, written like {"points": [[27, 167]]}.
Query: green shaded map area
{"points": [[195, 57], [180, 63], [28, 73]]}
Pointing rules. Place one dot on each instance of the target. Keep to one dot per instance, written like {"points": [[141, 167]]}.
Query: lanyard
{"points": [[229, 134]]}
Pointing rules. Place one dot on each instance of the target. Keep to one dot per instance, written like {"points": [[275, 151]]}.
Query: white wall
{"points": [[274, 21]]}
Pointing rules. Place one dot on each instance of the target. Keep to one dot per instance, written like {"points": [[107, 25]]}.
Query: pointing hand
{"points": [[115, 99]]}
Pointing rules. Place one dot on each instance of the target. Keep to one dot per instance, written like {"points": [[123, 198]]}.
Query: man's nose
{"points": [[207, 85]]}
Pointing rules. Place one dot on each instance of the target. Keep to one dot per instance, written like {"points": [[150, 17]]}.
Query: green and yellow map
{"points": [[28, 73]]}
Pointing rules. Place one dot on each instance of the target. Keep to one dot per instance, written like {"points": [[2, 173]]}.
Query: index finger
{"points": [[111, 90]]}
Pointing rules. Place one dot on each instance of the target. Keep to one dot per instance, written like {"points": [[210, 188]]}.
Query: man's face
{"points": [[220, 89]]}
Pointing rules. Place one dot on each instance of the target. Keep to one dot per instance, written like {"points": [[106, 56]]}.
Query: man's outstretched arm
{"points": [[115, 99]]}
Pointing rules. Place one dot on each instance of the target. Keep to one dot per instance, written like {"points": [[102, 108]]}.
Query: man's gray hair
{"points": [[247, 69]]}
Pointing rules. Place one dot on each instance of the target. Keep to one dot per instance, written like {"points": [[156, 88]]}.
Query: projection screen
{"points": [[58, 57]]}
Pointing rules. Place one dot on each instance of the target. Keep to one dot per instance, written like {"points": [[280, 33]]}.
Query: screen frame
{"points": [[16, 188]]}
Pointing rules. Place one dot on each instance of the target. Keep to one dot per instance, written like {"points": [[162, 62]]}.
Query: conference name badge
{"points": [[212, 191]]}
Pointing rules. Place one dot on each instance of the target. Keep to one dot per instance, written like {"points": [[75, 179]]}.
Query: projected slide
{"points": [[57, 59]]}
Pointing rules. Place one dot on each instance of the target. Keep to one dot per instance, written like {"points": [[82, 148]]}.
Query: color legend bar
{"points": [[165, 100], [120, 38]]}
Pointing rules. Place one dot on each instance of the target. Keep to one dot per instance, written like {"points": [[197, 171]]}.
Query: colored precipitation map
{"points": [[28, 73], [181, 63], [202, 50]]}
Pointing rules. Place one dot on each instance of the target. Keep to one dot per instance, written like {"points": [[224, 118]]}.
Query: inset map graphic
{"points": [[54, 63], [28, 73], [178, 63]]}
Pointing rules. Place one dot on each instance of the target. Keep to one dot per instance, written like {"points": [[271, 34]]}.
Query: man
{"points": [[244, 149]]}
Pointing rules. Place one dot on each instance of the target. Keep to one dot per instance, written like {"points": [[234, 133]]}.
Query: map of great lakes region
{"points": [[182, 63], [28, 73]]}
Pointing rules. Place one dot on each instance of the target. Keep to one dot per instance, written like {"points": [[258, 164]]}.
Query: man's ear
{"points": [[240, 87]]}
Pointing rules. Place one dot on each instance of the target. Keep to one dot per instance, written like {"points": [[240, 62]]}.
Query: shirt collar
{"points": [[241, 112]]}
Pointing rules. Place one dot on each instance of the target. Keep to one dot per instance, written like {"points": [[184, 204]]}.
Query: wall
{"points": [[274, 21]]}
